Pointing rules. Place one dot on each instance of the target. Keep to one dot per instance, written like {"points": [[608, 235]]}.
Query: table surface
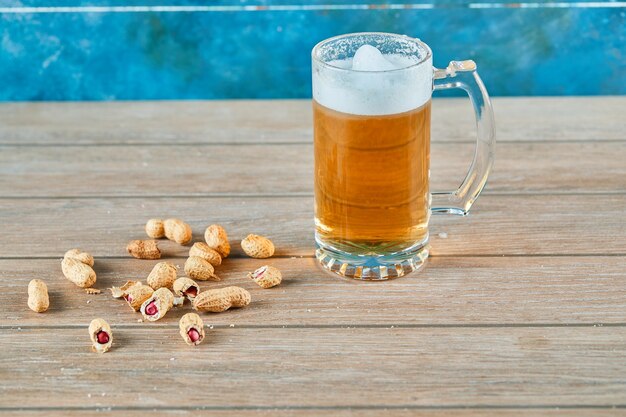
{"points": [[520, 311]]}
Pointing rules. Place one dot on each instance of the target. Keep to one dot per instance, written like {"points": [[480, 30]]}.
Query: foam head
{"points": [[372, 74]]}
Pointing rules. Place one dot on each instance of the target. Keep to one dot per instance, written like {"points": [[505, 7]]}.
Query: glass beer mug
{"points": [[371, 105]]}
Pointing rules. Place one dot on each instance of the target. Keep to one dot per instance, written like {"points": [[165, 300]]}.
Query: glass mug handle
{"points": [[463, 75]]}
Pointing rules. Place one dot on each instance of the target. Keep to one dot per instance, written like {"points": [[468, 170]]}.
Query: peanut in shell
{"points": [[144, 249], [177, 230], [191, 329], [38, 299], [155, 228], [200, 269], [162, 275], [216, 301], [101, 335], [202, 250], [136, 295], [157, 306], [80, 256], [186, 287], [266, 276], [79, 273], [217, 239], [256, 246]]}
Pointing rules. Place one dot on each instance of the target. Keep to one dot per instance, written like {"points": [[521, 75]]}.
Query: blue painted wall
{"points": [[168, 49]]}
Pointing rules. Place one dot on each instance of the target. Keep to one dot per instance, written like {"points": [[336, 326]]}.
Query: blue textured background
{"points": [[261, 49]]}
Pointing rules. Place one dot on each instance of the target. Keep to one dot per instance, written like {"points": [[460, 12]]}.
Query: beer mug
{"points": [[371, 105]]}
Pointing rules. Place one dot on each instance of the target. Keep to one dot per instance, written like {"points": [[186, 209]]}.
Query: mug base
{"points": [[372, 267]]}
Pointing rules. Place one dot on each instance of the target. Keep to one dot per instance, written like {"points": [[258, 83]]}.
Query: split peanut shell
{"points": [[202, 250], [216, 301], [80, 256], [216, 237], [144, 249], [119, 292], [79, 273], [186, 287], [136, 295], [191, 329], [256, 246], [266, 276], [155, 228], [177, 230], [200, 269], [162, 275], [101, 335], [38, 299], [155, 307]]}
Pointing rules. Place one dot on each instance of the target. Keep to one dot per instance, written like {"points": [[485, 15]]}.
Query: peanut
{"points": [[136, 295], [38, 299], [217, 239], [266, 276], [186, 287], [200, 269], [256, 246], [155, 229], [191, 329], [80, 256], [144, 249], [101, 335], [202, 250], [216, 301], [81, 274], [163, 275], [177, 230], [155, 307]]}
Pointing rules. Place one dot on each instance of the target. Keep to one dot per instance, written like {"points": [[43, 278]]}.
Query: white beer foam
{"points": [[373, 84]]}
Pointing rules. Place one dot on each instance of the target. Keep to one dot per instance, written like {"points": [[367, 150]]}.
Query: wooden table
{"points": [[521, 310]]}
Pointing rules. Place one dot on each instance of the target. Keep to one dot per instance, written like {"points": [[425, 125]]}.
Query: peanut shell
{"points": [[155, 228], [163, 275], [177, 230], [119, 292], [200, 269], [256, 246], [202, 250], [80, 256], [188, 322], [79, 273], [216, 237], [144, 249], [182, 286], [38, 299], [216, 301], [95, 327], [266, 276], [137, 294], [164, 301]]}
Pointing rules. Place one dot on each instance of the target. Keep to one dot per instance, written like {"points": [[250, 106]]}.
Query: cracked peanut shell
{"points": [[100, 342], [191, 329], [136, 295], [186, 287], [266, 276], [163, 301]]}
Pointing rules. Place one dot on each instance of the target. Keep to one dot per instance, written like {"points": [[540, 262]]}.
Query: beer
{"points": [[371, 179]]}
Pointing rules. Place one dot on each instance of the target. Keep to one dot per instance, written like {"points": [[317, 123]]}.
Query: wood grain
{"points": [[278, 367], [497, 225], [490, 291], [262, 121], [181, 411], [33, 171]]}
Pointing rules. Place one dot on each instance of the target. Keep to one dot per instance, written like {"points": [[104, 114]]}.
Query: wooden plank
{"points": [[382, 367], [263, 121], [571, 167], [461, 291], [180, 411], [498, 225]]}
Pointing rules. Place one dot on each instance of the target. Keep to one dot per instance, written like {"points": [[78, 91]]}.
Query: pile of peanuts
{"points": [[164, 290]]}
